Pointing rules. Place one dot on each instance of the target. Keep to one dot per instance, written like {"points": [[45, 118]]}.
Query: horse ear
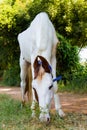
{"points": [[36, 68], [39, 60], [45, 64], [37, 63]]}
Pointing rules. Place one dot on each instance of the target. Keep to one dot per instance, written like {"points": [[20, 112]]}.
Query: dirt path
{"points": [[70, 102]]}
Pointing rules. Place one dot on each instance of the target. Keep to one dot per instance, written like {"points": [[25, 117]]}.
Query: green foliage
{"points": [[77, 81], [13, 16], [68, 16], [11, 76], [70, 20], [73, 73], [67, 57]]}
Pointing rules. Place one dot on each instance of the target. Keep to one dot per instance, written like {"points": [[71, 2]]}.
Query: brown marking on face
{"points": [[41, 72], [36, 95], [40, 69]]}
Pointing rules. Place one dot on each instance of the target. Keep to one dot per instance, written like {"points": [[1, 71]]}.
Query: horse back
{"points": [[40, 36]]}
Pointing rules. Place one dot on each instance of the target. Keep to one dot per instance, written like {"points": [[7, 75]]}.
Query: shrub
{"points": [[67, 57], [77, 81], [11, 76]]}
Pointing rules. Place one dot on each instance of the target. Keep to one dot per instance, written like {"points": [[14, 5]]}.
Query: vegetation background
{"points": [[69, 18]]}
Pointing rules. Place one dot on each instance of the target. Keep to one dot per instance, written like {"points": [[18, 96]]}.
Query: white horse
{"points": [[39, 39]]}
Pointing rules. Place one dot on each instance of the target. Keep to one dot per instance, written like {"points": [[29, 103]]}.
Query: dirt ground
{"points": [[70, 102]]}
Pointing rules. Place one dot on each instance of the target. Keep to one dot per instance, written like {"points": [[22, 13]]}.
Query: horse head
{"points": [[42, 85]]}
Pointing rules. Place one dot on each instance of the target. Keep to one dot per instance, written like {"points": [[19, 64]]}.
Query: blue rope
{"points": [[57, 78], [50, 68]]}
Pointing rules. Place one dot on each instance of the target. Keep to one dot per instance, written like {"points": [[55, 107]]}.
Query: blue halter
{"points": [[50, 68], [57, 78]]}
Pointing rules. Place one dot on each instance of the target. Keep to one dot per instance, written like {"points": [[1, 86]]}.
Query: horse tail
{"points": [[28, 88]]}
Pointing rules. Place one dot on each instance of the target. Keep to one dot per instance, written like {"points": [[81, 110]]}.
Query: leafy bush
{"points": [[67, 57], [11, 76], [77, 81], [74, 75], [68, 17]]}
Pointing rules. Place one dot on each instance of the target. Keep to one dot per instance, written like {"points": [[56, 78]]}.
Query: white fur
{"points": [[39, 39], [44, 94]]}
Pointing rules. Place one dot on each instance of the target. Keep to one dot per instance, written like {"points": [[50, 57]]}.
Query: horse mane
{"points": [[37, 66]]}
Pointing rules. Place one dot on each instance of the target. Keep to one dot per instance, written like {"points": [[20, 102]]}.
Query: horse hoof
{"points": [[61, 113]]}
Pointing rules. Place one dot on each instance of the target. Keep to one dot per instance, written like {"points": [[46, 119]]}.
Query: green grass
{"points": [[12, 117], [73, 86]]}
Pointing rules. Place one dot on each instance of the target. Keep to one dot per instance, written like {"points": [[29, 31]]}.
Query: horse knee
{"points": [[55, 88]]}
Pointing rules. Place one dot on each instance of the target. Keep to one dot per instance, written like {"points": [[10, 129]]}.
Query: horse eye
{"points": [[50, 86]]}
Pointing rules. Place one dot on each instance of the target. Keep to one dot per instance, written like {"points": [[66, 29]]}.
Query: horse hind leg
{"points": [[29, 84], [23, 75]]}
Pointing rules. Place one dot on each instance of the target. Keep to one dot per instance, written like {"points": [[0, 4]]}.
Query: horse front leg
{"points": [[34, 101], [23, 74], [55, 87]]}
